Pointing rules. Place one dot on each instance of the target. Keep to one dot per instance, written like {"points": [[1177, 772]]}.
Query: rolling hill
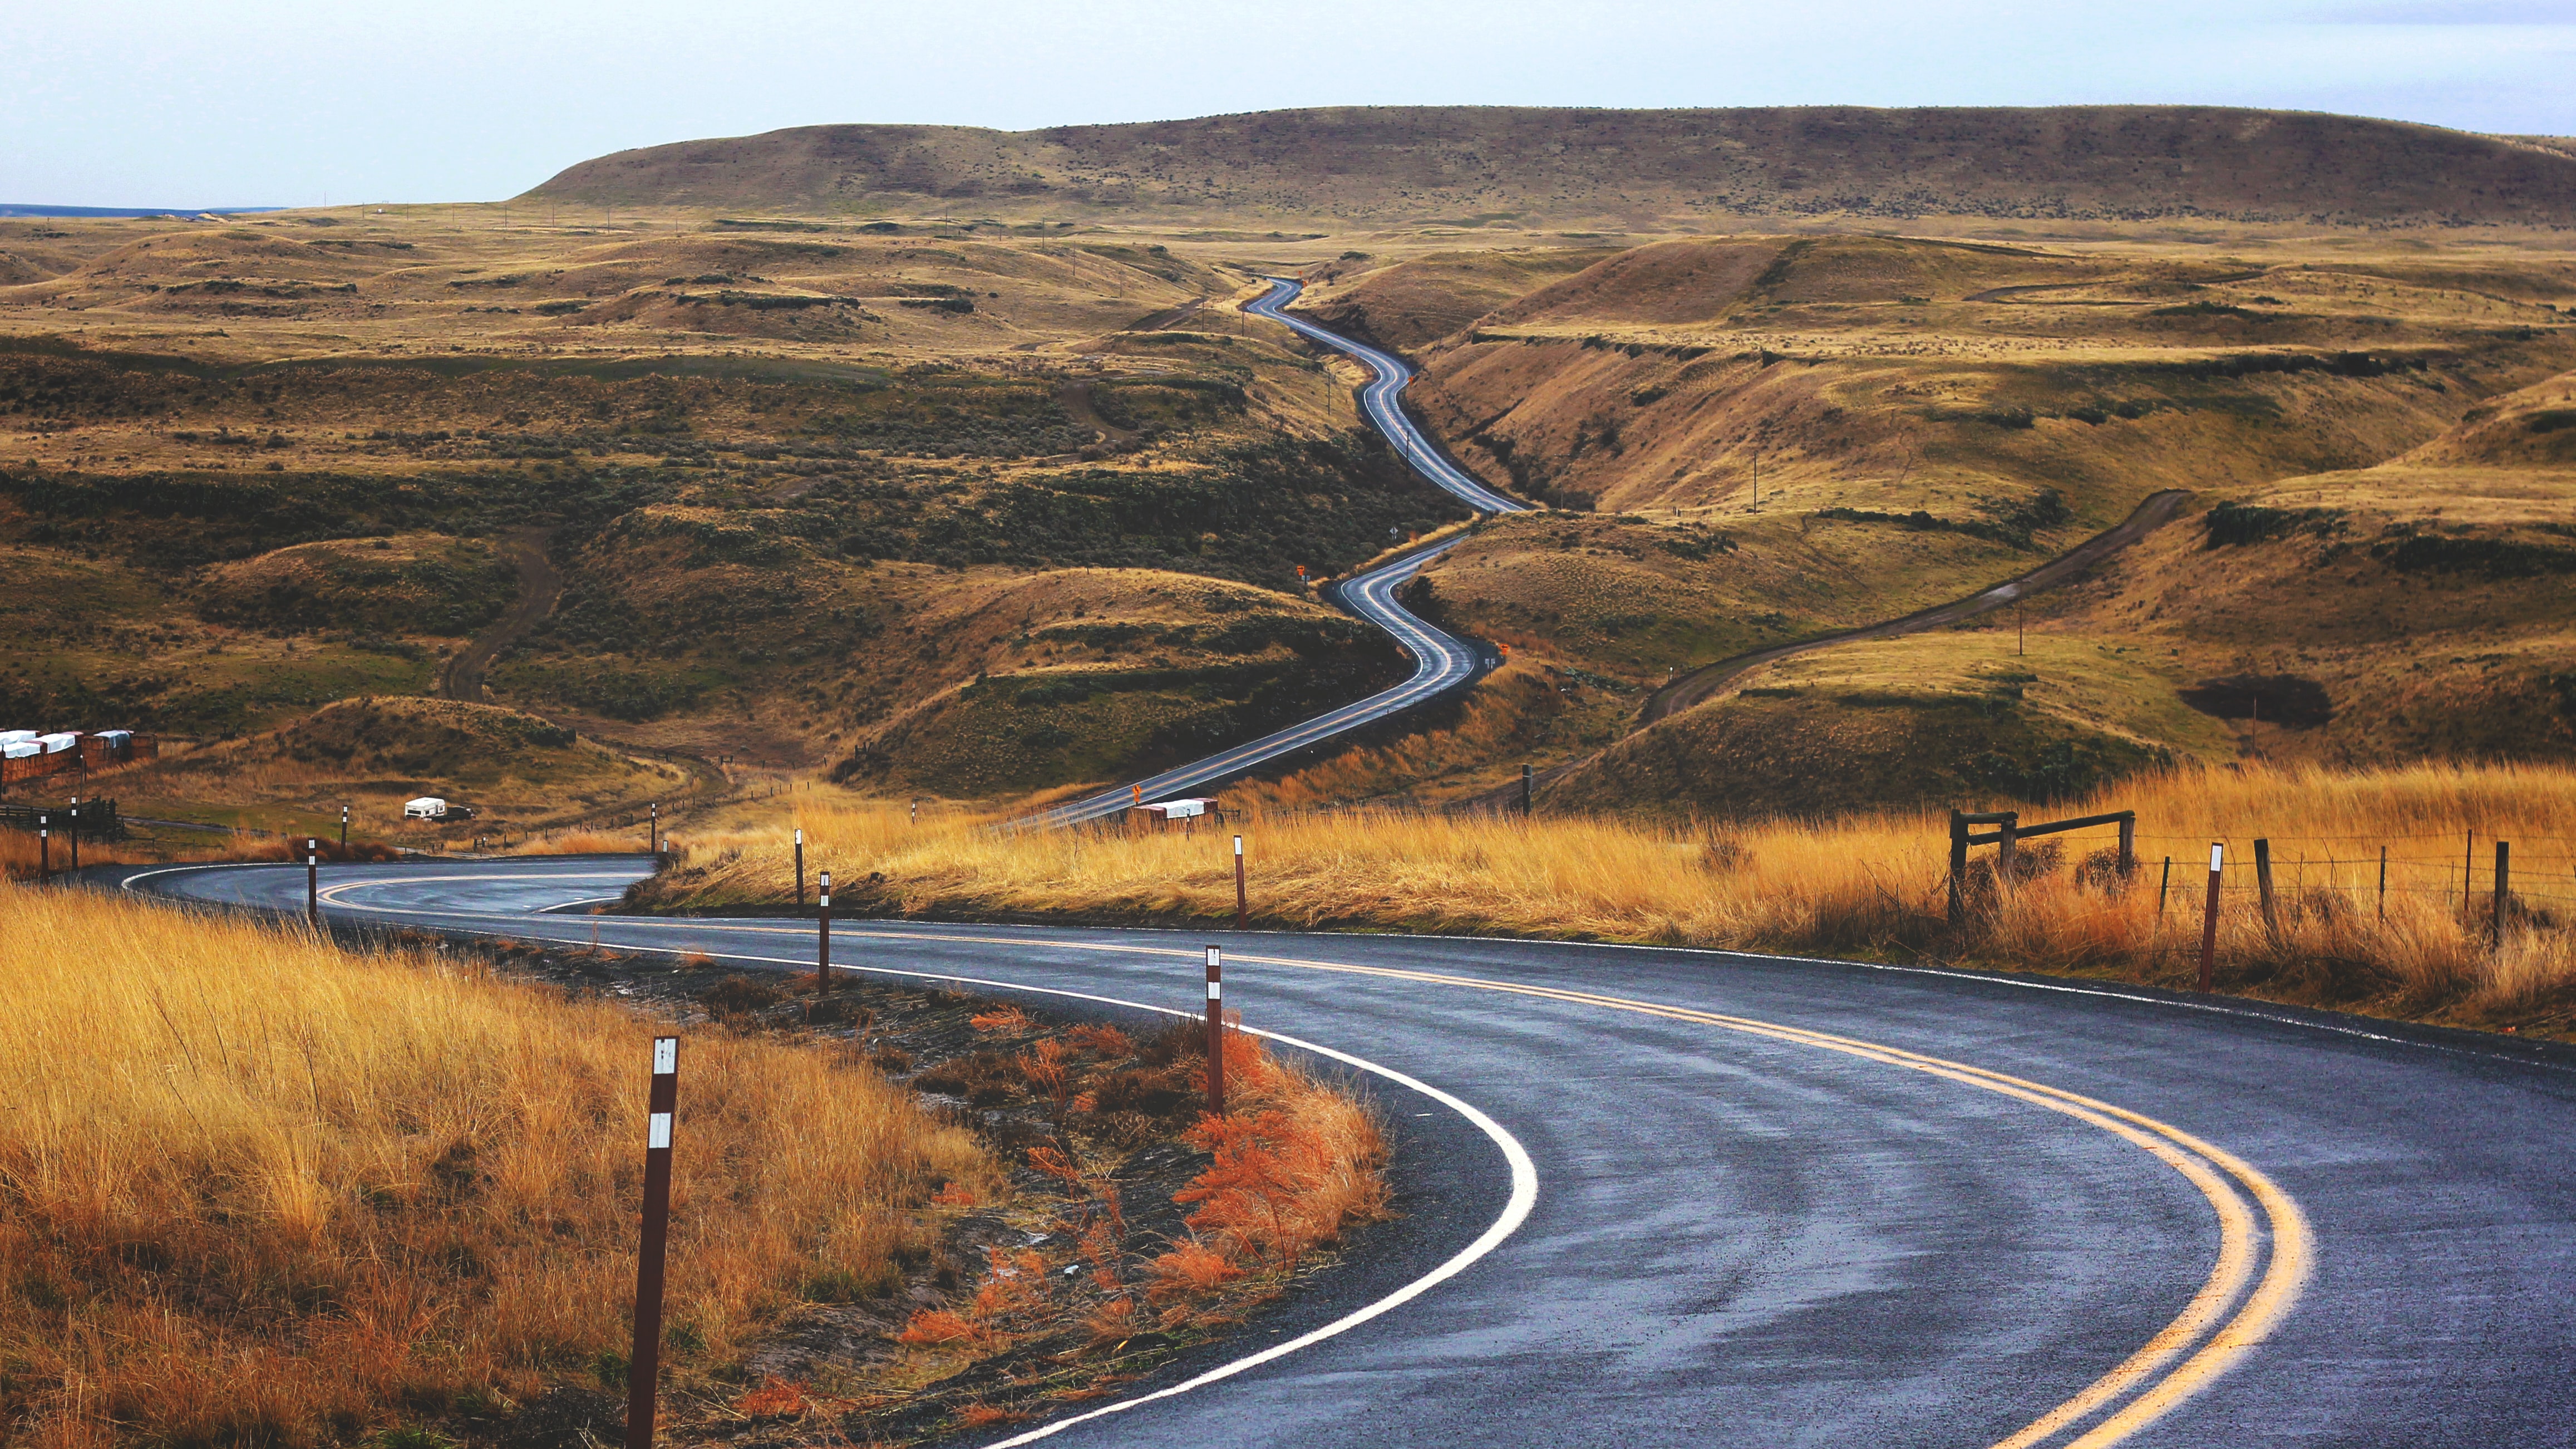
{"points": [[1471, 166]]}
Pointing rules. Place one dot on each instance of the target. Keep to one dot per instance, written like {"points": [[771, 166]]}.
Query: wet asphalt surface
{"points": [[1741, 1240]]}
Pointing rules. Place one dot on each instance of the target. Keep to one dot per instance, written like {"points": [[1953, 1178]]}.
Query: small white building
{"points": [[17, 737], [55, 744]]}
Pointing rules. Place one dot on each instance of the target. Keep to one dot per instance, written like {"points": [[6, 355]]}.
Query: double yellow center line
{"points": [[2231, 1313], [2184, 1357]]}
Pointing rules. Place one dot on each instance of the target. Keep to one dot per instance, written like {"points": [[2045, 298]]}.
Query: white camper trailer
{"points": [[427, 807]]}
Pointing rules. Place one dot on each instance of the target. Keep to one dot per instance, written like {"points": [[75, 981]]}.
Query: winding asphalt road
{"points": [[1668, 1198], [1441, 660]]}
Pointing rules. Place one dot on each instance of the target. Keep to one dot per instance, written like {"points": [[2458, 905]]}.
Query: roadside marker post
{"points": [[800, 867], [2209, 922], [644, 1367], [44, 847], [916, 813], [1216, 1030], [74, 833], [312, 882], [823, 935], [1241, 901], [653, 831], [344, 830]]}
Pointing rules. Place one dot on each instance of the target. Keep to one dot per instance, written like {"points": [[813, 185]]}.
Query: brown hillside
{"points": [[1893, 376], [1924, 419], [1426, 298], [1470, 165], [2418, 609], [374, 752]]}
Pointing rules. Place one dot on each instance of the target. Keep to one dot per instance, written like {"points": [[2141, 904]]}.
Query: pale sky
{"points": [[287, 102]]}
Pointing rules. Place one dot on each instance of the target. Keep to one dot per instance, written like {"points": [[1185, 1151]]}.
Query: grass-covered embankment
{"points": [[255, 1189]]}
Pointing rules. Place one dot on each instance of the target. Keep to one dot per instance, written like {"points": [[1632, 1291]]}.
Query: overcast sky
{"points": [[214, 102]]}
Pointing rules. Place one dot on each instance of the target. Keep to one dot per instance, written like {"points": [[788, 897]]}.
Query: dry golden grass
{"points": [[1869, 885], [581, 842], [267, 1192], [21, 857]]}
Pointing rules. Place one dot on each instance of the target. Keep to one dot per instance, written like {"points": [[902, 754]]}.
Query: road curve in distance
{"points": [[1791, 1202], [1441, 660], [1382, 400]]}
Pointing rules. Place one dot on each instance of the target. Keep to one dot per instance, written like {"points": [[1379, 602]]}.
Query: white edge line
{"points": [[1516, 1209]]}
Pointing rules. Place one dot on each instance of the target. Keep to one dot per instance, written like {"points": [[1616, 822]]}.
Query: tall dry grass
{"points": [[1871, 884], [256, 1190], [22, 859]]}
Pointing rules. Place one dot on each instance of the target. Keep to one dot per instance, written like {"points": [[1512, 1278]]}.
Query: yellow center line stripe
{"points": [[2197, 1161]]}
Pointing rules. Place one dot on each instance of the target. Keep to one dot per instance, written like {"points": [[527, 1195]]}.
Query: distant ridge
{"points": [[1474, 165]]}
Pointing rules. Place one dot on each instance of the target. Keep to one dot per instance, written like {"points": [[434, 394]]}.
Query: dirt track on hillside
{"points": [[1685, 690], [539, 587]]}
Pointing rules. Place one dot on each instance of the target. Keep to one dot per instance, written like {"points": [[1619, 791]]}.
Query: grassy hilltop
{"points": [[1481, 166]]}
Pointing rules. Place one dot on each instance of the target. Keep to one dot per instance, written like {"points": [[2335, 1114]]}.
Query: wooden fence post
{"points": [[2164, 888], [2128, 844], [1958, 870], [2503, 892], [2006, 853], [2383, 882], [2263, 885]]}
